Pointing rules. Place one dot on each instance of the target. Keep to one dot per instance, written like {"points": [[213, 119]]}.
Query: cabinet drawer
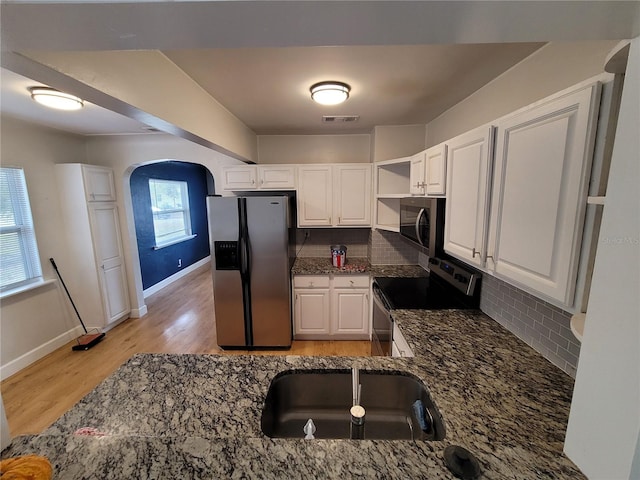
{"points": [[311, 281], [351, 281]]}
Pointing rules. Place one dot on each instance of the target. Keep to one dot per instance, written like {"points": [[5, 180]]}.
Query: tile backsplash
{"points": [[541, 325], [319, 242], [389, 248]]}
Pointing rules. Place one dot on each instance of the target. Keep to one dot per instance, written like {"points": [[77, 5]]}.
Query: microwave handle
{"points": [[420, 214]]}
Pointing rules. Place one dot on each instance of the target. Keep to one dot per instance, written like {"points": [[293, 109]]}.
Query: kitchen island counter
{"points": [[198, 416]]}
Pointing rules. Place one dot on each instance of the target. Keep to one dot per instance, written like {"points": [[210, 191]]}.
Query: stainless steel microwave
{"points": [[422, 222]]}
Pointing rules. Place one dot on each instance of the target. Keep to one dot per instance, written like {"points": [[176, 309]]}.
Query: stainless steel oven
{"points": [[382, 336], [447, 285], [422, 222]]}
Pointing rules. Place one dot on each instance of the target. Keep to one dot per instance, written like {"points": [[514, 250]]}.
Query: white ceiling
{"points": [[407, 61]]}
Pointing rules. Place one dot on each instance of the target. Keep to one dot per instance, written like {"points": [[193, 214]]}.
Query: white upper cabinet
{"points": [[315, 201], [416, 175], [352, 204], [542, 166], [468, 187], [240, 178], [98, 184], [436, 169], [252, 177], [334, 195], [277, 177]]}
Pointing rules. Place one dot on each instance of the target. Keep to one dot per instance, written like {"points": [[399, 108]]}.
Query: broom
{"points": [[88, 340]]}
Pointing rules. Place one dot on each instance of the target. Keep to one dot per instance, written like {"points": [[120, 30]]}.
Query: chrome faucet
{"points": [[357, 411]]}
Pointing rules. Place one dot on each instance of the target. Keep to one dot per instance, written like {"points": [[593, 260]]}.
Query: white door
{"points": [[542, 166], [105, 230], [416, 174], [311, 314], [468, 188], [353, 195], [315, 202], [436, 168], [350, 313], [239, 178]]}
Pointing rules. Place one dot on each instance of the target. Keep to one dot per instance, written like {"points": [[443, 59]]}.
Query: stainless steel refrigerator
{"points": [[251, 270]]}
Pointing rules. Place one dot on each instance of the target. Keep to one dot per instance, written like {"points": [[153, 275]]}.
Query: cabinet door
{"points": [[239, 178], [350, 313], [353, 195], [98, 184], [543, 160], [276, 177], [314, 196], [105, 230], [416, 174], [468, 182], [311, 314], [436, 168]]}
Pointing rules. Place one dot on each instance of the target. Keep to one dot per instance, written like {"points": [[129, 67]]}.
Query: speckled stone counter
{"points": [[323, 266], [198, 416]]}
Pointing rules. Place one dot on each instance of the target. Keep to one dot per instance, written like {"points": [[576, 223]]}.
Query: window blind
{"points": [[19, 258]]}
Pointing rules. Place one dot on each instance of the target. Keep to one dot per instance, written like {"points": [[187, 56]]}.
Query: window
{"points": [[170, 208], [19, 259]]}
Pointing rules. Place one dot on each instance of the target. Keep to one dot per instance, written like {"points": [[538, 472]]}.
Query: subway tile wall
{"points": [[389, 248], [319, 242], [541, 325]]}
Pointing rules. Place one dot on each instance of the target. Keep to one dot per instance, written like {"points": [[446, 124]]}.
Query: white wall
{"points": [[314, 148], [604, 425], [36, 322], [124, 153], [552, 68]]}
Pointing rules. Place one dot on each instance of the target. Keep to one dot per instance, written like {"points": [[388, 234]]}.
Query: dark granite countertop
{"points": [[198, 416], [323, 266]]}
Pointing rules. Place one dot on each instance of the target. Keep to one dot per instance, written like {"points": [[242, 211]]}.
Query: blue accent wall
{"points": [[156, 265]]}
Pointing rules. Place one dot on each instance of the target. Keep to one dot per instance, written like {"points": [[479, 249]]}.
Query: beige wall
{"points": [[314, 149], [38, 321], [396, 141], [554, 67]]}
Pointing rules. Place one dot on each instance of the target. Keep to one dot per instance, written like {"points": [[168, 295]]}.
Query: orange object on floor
{"points": [[29, 467]]}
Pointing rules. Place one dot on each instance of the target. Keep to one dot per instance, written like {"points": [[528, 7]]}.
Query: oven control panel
{"points": [[461, 278]]}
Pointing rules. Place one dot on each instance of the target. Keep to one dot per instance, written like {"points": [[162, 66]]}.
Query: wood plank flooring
{"points": [[179, 320]]}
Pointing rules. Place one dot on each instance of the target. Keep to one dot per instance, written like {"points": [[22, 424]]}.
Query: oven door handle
{"points": [[418, 236]]}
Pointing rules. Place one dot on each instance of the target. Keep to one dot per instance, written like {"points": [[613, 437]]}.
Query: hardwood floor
{"points": [[179, 320]]}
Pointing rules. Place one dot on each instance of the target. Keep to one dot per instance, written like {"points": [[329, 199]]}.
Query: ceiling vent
{"points": [[340, 118]]}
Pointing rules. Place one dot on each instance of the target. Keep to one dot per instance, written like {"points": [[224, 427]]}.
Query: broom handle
{"points": [[55, 267]]}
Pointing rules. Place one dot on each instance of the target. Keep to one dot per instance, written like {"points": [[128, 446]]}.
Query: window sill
{"points": [[25, 288], [173, 242]]}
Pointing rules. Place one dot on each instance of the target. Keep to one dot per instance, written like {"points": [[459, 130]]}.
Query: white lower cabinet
{"points": [[331, 308]]}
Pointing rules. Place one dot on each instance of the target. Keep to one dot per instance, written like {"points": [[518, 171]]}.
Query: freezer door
{"points": [[269, 271], [227, 282]]}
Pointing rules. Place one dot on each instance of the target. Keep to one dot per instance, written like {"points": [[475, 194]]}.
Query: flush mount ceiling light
{"points": [[330, 93], [55, 99]]}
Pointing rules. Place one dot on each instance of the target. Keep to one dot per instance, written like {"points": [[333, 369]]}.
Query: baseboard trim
{"points": [[138, 312], [176, 276], [23, 361]]}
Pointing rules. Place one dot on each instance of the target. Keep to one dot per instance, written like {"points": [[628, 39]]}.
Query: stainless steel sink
{"points": [[326, 397]]}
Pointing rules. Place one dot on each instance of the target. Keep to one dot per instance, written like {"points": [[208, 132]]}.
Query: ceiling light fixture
{"points": [[330, 93], [56, 99]]}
